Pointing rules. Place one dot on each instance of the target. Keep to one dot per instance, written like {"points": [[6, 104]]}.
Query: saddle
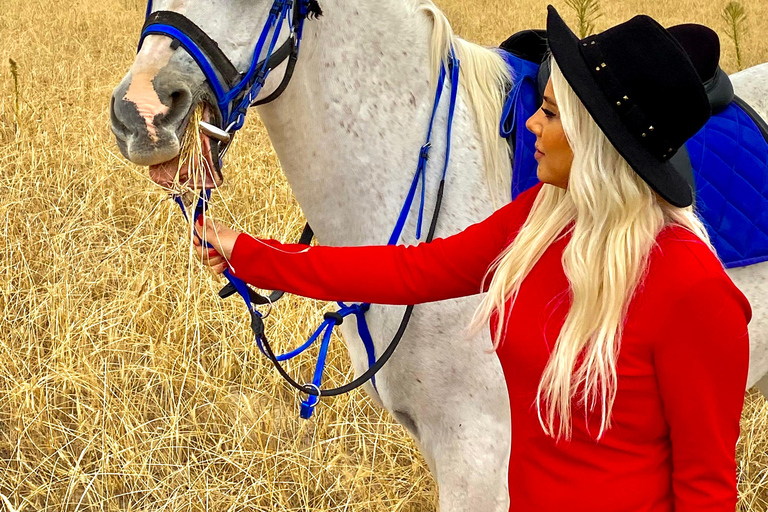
{"points": [[726, 162]]}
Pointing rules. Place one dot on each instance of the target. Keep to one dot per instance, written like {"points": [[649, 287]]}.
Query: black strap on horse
{"points": [[260, 300], [257, 326], [223, 66]]}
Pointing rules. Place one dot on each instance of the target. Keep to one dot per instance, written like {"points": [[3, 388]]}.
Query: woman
{"points": [[623, 342]]}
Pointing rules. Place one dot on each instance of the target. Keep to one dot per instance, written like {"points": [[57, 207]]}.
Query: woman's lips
{"points": [[538, 154]]}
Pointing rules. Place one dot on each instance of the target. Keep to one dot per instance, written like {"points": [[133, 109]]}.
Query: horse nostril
{"points": [[178, 100], [118, 127]]}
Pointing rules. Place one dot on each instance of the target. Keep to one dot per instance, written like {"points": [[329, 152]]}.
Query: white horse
{"points": [[348, 130]]}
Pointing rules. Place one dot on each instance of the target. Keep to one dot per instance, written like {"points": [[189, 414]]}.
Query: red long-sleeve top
{"points": [[682, 365]]}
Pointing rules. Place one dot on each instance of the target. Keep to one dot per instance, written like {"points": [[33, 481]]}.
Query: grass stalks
{"points": [[126, 385], [16, 95], [191, 154], [587, 13], [735, 17]]}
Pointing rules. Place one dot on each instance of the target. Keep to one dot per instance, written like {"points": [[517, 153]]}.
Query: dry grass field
{"points": [[125, 384]]}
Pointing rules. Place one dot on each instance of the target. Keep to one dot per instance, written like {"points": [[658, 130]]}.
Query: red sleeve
{"points": [[701, 364], [442, 269]]}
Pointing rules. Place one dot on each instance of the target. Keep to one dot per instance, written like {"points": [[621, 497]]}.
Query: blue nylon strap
{"points": [[420, 172], [424, 153], [234, 115], [307, 344], [451, 109], [308, 404], [261, 75], [237, 117], [359, 311]]}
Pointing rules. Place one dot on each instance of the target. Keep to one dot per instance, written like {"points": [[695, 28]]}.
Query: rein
{"points": [[233, 97]]}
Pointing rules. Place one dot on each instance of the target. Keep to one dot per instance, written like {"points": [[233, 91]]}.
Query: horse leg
{"points": [[450, 394], [472, 473], [762, 386], [753, 283]]}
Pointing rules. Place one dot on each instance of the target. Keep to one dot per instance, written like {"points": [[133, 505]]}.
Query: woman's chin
{"points": [[545, 177], [541, 173]]}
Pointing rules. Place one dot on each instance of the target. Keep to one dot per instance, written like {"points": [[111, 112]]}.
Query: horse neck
{"points": [[349, 127]]}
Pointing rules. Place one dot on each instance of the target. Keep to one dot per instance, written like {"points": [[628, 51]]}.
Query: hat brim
{"points": [[662, 176]]}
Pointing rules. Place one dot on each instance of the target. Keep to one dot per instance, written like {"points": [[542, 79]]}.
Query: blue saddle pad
{"points": [[522, 102], [730, 165], [729, 156]]}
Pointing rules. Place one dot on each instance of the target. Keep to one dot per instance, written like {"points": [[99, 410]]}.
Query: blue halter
{"points": [[233, 96], [237, 91]]}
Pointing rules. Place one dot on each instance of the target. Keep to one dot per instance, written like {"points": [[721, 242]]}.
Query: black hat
{"points": [[702, 45], [642, 90]]}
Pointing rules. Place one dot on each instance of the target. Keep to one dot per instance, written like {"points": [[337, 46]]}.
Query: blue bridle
{"points": [[233, 96], [233, 91]]}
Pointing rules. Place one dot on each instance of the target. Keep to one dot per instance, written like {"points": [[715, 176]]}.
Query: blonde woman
{"points": [[623, 341]]}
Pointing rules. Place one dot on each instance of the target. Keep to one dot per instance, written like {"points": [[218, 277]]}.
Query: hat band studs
{"points": [[632, 115]]}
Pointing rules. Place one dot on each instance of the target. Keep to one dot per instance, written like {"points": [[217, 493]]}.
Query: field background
{"points": [[124, 383]]}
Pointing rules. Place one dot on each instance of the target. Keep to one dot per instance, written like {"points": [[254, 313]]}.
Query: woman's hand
{"points": [[221, 237]]}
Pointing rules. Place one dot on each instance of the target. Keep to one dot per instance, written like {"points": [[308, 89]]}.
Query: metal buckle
{"points": [[314, 387], [215, 132], [269, 310]]}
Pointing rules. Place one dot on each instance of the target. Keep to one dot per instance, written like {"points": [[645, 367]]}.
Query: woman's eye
{"points": [[548, 113]]}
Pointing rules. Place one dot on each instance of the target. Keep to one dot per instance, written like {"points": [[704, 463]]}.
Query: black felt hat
{"points": [[642, 90]]}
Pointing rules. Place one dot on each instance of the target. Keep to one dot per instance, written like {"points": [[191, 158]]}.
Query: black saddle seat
{"points": [[701, 43]]}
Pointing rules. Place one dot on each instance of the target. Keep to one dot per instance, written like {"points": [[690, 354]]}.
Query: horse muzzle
{"points": [[149, 117]]}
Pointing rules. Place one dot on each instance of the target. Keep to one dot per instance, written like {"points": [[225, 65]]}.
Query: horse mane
{"points": [[485, 79]]}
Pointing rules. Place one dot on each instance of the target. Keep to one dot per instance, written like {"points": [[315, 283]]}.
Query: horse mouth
{"points": [[198, 171]]}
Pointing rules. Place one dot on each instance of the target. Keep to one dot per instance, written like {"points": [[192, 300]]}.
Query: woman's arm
{"points": [[444, 268], [701, 364]]}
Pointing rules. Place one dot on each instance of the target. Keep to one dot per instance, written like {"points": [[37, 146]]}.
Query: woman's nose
{"points": [[532, 125]]}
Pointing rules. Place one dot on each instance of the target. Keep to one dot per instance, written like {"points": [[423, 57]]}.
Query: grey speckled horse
{"points": [[752, 86], [347, 130]]}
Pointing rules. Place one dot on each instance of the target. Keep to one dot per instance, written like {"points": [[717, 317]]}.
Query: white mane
{"points": [[484, 78]]}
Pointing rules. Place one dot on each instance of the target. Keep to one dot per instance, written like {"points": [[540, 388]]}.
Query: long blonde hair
{"points": [[616, 217]]}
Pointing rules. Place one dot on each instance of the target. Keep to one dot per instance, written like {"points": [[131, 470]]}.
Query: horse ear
{"points": [[313, 9]]}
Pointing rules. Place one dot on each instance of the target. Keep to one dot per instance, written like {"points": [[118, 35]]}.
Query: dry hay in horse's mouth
{"points": [[192, 151]]}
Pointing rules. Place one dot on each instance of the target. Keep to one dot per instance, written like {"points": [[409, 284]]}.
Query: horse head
{"points": [[202, 52]]}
